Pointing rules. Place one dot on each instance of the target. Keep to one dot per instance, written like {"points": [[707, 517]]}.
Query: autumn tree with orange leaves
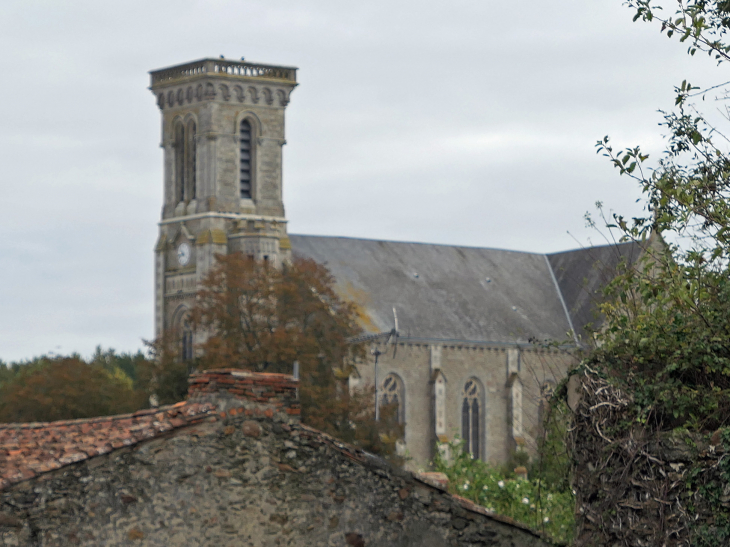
{"points": [[262, 318], [66, 388], [254, 316]]}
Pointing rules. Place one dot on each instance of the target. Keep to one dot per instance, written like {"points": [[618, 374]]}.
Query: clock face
{"points": [[183, 254]]}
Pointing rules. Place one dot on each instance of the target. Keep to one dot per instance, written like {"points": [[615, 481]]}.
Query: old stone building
{"points": [[470, 358], [231, 466]]}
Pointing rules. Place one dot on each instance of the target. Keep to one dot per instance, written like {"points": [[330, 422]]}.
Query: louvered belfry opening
{"points": [[246, 149]]}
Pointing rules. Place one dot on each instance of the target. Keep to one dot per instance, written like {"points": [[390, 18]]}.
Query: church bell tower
{"points": [[222, 136]]}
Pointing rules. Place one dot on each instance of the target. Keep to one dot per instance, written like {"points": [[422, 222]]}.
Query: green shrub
{"points": [[534, 503]]}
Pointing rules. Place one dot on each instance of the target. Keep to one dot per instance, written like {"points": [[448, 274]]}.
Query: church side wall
{"points": [[488, 365], [540, 369]]}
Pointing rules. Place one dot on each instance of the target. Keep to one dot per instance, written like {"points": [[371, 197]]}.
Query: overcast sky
{"points": [[468, 122]]}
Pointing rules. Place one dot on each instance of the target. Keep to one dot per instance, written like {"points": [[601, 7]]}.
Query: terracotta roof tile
{"points": [[27, 450]]}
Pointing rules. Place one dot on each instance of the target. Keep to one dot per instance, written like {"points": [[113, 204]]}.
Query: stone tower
{"points": [[222, 136]]}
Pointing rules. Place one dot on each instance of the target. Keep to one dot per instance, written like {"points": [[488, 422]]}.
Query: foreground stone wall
{"points": [[247, 475]]}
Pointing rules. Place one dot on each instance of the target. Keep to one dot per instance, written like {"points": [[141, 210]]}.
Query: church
{"points": [[470, 359]]}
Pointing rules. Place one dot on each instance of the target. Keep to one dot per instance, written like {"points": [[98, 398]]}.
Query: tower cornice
{"points": [[223, 69]]}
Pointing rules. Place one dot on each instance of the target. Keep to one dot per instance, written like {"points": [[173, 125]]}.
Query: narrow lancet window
{"points": [[179, 161], [392, 393], [246, 149], [465, 429], [186, 341], [470, 410], [190, 159], [475, 428]]}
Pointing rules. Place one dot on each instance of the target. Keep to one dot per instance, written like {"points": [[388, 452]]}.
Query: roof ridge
{"points": [[95, 419], [398, 242], [562, 300], [461, 246]]}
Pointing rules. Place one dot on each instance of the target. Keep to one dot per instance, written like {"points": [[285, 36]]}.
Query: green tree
{"points": [[164, 376], [129, 364], [667, 329], [664, 352], [65, 388], [263, 318]]}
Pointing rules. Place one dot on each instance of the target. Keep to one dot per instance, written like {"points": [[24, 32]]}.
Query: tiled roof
{"points": [[27, 450]]}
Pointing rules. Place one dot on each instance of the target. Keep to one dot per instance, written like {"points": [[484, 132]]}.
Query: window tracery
{"points": [[470, 418], [392, 392]]}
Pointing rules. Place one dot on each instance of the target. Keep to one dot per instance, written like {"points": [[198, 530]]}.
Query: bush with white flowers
{"points": [[530, 502]]}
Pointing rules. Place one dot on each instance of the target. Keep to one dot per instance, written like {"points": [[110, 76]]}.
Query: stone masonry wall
{"points": [[459, 363], [247, 475]]}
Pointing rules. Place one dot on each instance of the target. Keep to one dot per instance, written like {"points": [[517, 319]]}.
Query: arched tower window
{"points": [[246, 146], [470, 413], [183, 333], [186, 340], [393, 393], [190, 159], [179, 161]]}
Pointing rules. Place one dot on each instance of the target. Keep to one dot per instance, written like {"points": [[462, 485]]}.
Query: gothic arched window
{"points": [[179, 145], [393, 393], [246, 146], [470, 413], [190, 159]]}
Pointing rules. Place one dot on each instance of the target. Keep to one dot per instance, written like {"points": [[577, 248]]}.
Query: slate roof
{"points": [[452, 293], [581, 273]]}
